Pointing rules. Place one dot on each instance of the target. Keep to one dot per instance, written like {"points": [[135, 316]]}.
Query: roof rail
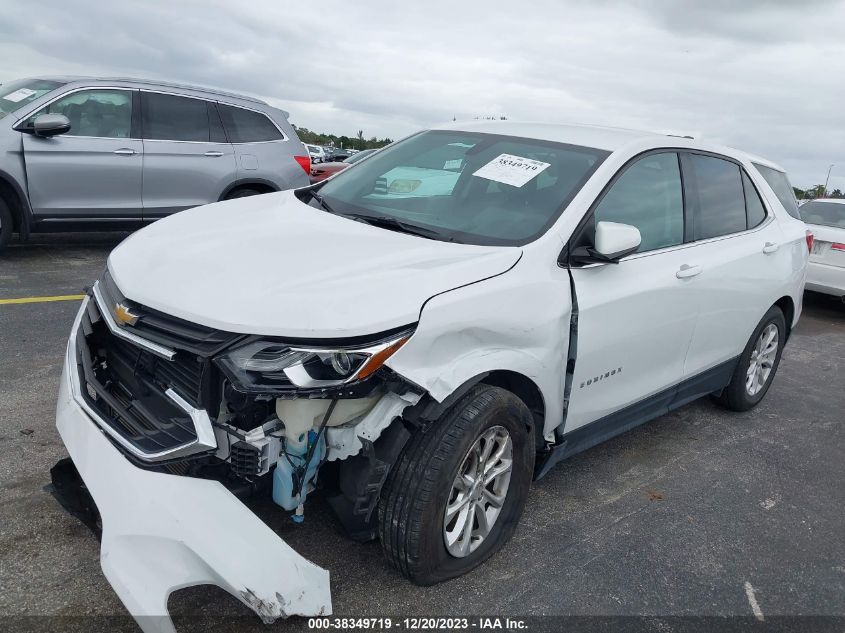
{"points": [[173, 84]]}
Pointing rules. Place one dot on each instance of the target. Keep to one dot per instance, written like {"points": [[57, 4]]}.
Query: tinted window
{"points": [[101, 113], [783, 189], [471, 187], [754, 209], [824, 213], [172, 118], [648, 195], [721, 200], [246, 126]]}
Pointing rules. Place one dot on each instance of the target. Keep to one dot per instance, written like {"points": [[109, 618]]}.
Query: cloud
{"points": [[762, 75]]}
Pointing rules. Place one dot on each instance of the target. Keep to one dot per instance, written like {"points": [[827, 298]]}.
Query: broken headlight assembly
{"points": [[265, 366]]}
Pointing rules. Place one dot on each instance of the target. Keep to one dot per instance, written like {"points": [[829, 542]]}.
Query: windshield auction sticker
{"points": [[19, 95], [511, 170]]}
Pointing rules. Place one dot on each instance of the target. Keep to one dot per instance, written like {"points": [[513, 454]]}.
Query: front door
{"points": [[635, 318], [187, 159], [93, 171]]}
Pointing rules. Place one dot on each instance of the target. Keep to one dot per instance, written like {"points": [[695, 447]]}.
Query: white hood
{"points": [[272, 265]]}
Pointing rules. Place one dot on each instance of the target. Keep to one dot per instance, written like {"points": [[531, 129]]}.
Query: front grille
{"points": [[126, 384], [166, 330]]}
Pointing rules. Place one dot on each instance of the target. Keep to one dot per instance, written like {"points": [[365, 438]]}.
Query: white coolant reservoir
{"points": [[301, 415]]}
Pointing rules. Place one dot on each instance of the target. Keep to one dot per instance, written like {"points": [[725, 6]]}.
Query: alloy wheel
{"points": [[762, 360], [478, 492]]}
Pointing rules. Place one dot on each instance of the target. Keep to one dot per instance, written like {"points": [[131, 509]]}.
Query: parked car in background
{"points": [[82, 153], [326, 170], [317, 154], [825, 217], [340, 154], [428, 353]]}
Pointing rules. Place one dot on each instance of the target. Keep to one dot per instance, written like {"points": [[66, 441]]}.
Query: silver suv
{"points": [[81, 153]]}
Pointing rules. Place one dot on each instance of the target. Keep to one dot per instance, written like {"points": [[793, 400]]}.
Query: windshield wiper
{"points": [[322, 202], [392, 224]]}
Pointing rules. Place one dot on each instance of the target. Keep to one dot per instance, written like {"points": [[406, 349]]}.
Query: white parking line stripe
{"points": [[752, 600]]}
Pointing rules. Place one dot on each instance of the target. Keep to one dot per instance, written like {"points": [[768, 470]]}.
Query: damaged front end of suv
{"points": [[146, 396]]}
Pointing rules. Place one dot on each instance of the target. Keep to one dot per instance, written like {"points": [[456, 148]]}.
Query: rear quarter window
{"points": [[248, 126], [782, 187]]}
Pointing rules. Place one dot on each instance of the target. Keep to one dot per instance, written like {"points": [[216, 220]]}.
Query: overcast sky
{"points": [[767, 76]]}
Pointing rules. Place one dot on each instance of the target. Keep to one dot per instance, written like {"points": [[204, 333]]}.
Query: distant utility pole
{"points": [[824, 193]]}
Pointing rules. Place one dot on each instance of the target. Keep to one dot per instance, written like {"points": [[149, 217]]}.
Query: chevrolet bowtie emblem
{"points": [[123, 316]]}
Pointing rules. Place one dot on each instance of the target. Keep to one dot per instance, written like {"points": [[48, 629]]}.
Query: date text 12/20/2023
{"points": [[418, 624]]}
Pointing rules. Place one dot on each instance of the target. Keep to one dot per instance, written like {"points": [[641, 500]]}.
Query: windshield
{"points": [[465, 186], [16, 94], [824, 213]]}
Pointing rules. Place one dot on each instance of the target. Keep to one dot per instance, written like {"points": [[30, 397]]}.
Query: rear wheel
{"points": [[456, 493], [757, 364], [6, 224], [242, 193]]}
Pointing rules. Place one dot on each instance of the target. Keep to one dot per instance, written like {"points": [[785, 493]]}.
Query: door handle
{"points": [[686, 271], [213, 154], [125, 151], [770, 247]]}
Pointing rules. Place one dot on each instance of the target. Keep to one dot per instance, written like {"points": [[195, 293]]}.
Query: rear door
{"points": [[93, 171], [264, 153], [187, 159], [635, 318], [739, 253]]}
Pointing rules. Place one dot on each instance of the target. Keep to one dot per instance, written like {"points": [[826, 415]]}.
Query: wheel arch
{"points": [[520, 385], [14, 197], [259, 184], [787, 306]]}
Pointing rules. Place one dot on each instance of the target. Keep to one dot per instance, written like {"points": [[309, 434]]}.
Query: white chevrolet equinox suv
{"points": [[416, 339]]}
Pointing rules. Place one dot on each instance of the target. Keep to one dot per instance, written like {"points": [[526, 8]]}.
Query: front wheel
{"points": [[757, 364], [456, 493]]}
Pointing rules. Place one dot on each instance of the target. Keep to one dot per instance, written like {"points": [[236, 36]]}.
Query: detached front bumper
{"points": [[164, 532]]}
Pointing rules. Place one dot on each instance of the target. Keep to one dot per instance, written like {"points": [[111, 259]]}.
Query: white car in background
{"points": [[825, 217], [317, 153], [523, 293]]}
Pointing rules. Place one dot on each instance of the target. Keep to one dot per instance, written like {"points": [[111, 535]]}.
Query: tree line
{"points": [[818, 191], [347, 142]]}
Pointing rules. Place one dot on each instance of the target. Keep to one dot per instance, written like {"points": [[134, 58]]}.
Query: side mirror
{"points": [[48, 125], [613, 241]]}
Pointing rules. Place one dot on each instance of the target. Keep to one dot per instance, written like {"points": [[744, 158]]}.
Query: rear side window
{"points": [[648, 195], [172, 118], [720, 208], [754, 209], [781, 186], [247, 126]]}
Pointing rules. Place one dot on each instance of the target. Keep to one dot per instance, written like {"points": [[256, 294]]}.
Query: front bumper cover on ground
{"points": [[164, 532]]}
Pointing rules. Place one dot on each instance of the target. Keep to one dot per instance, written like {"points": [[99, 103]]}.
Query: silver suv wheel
{"points": [[478, 492], [762, 360]]}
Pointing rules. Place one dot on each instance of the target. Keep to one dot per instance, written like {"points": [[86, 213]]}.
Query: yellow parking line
{"points": [[42, 299]]}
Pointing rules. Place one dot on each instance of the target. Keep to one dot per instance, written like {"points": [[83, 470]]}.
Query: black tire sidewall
{"points": [[6, 224], [437, 563], [242, 193]]}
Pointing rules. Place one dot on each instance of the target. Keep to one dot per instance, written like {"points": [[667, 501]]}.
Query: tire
{"points": [[738, 396], [414, 499], [242, 193], [6, 224]]}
